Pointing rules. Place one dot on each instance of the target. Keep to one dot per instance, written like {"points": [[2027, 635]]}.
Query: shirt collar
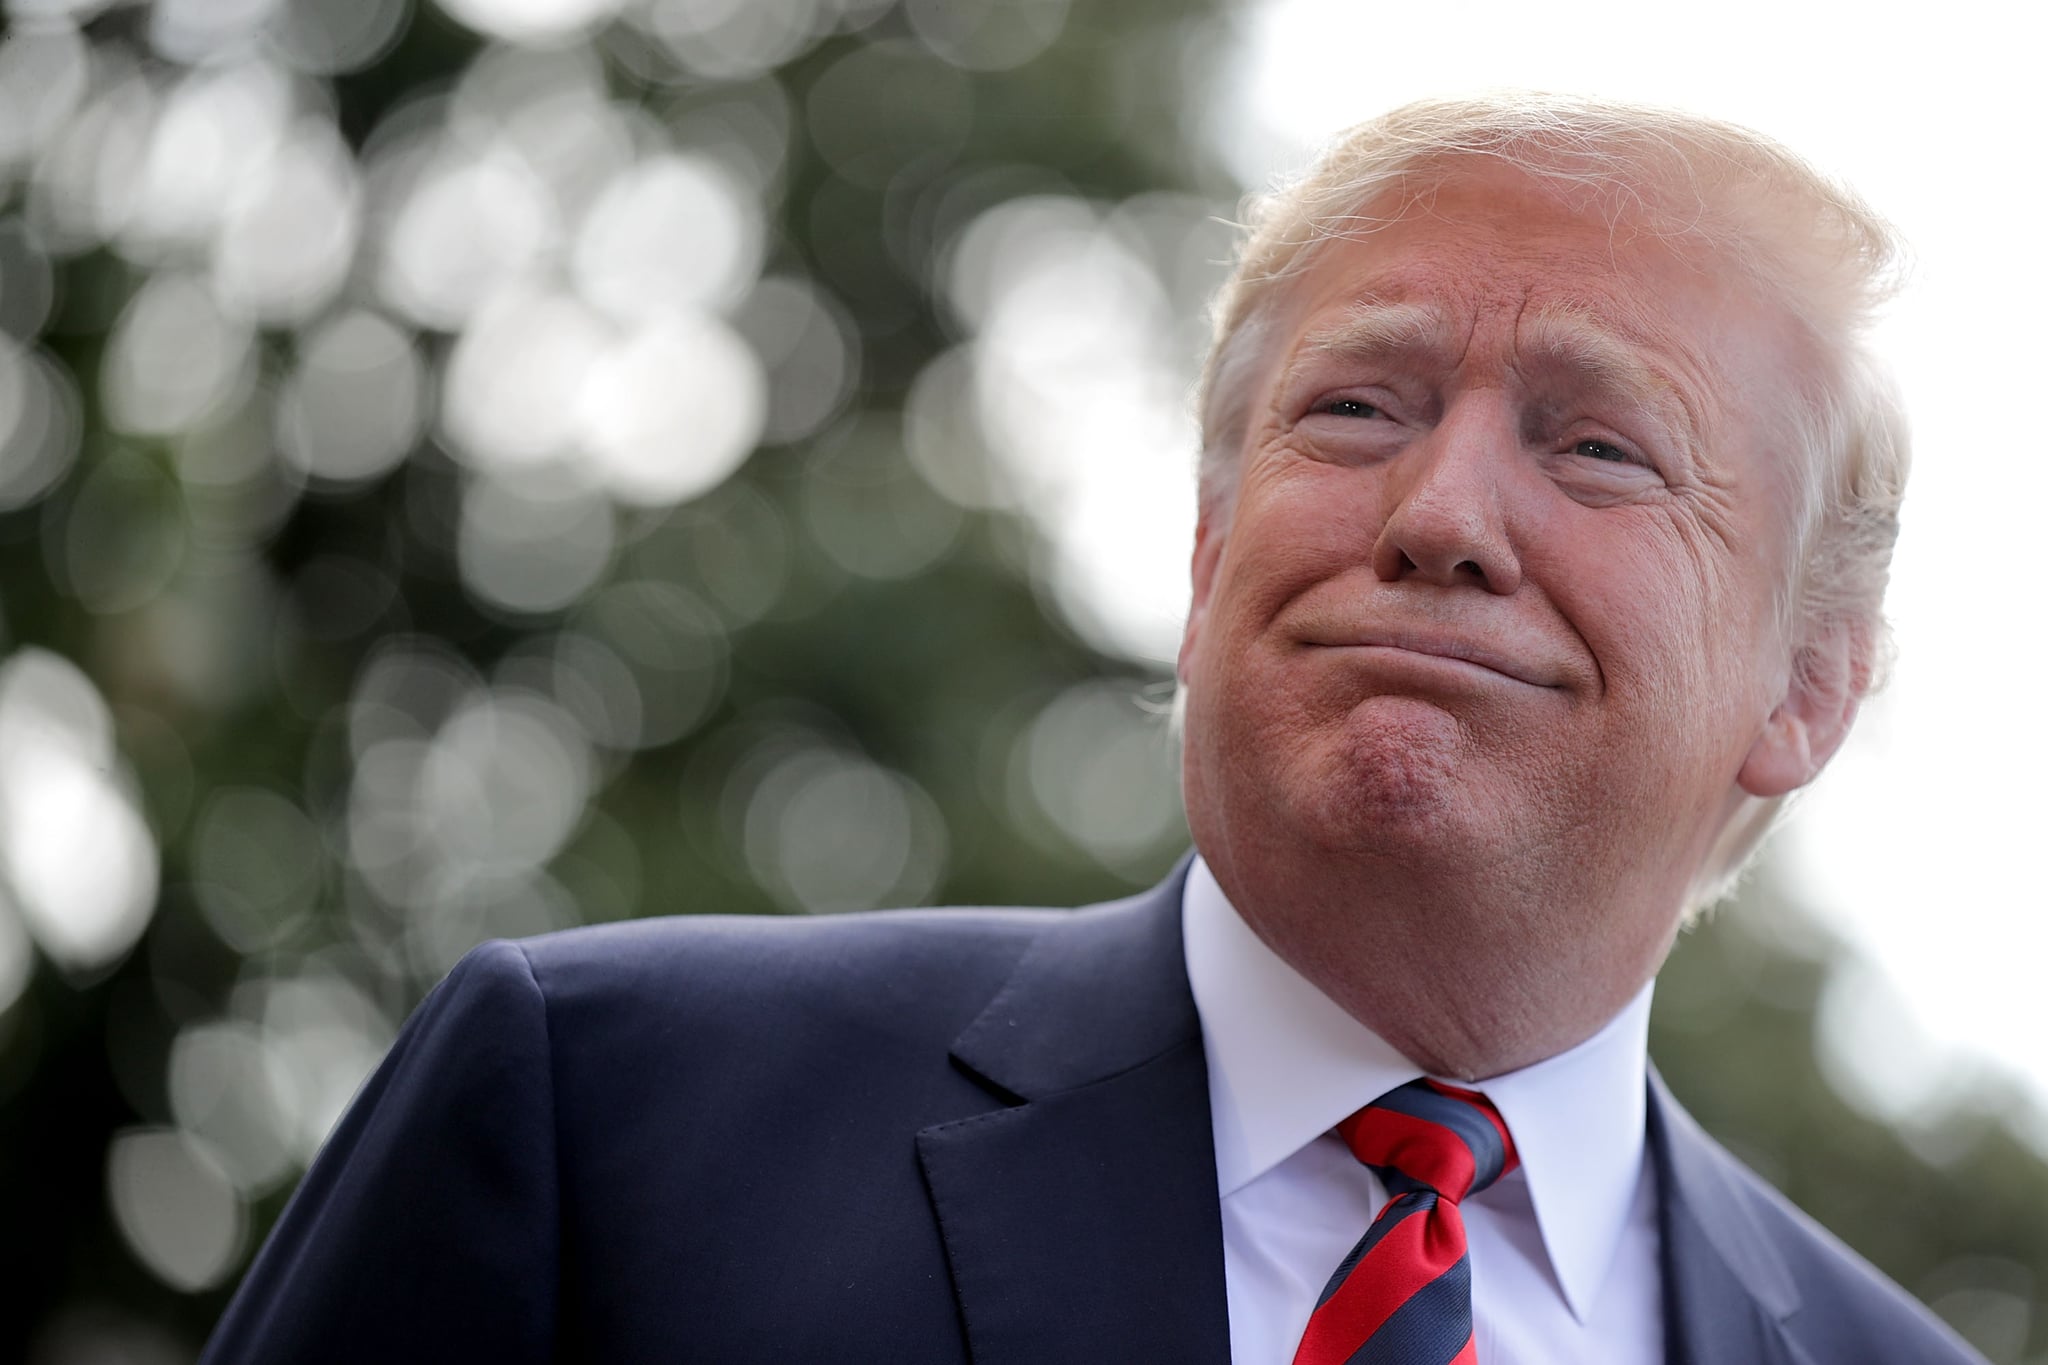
{"points": [[1286, 1062]]}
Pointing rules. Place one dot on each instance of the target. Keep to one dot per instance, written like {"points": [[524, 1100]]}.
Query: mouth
{"points": [[1460, 652]]}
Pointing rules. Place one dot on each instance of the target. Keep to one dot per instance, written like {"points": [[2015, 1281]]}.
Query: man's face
{"points": [[1498, 597]]}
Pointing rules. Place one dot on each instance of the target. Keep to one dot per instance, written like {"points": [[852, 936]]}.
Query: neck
{"points": [[1468, 975]]}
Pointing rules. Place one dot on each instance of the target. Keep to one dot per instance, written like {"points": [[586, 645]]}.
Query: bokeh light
{"points": [[671, 410], [40, 421], [670, 233], [331, 37], [1083, 393], [223, 1092], [125, 534], [45, 71], [175, 1206], [257, 865], [87, 178], [516, 379], [17, 956], [176, 358], [322, 1033], [27, 286], [811, 352], [355, 401], [533, 21], [987, 35], [193, 30], [1085, 764], [465, 230], [867, 505], [74, 851], [529, 547], [669, 648], [826, 830], [289, 234], [215, 129]]}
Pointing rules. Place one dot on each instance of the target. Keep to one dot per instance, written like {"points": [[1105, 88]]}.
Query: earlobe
{"points": [[1201, 579], [1781, 760], [1828, 679]]}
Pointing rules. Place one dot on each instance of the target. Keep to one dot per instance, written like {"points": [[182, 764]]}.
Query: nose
{"points": [[1445, 520]]}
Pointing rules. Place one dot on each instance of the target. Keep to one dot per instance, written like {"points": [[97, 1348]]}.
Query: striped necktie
{"points": [[1404, 1294]]}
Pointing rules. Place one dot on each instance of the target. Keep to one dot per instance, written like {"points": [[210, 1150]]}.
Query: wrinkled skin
{"points": [[1489, 645]]}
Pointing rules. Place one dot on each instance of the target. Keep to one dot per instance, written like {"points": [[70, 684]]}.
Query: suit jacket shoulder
{"points": [[713, 991], [1745, 1266]]}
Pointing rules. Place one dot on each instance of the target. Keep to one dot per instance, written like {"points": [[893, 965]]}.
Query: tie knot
{"points": [[1426, 1135]]}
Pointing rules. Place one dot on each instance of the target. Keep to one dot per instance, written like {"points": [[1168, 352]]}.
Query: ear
{"points": [[1209, 534], [1829, 676]]}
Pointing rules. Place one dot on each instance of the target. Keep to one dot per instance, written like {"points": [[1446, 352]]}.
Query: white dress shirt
{"points": [[1564, 1251]]}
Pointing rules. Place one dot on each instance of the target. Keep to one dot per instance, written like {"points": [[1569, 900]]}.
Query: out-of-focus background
{"points": [[473, 468]]}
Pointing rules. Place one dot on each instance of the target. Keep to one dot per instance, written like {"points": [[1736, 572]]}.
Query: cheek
{"points": [[1682, 638], [1298, 522], [1298, 526]]}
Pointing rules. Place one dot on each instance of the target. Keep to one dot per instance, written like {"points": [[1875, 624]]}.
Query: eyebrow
{"points": [[1604, 363], [1373, 331], [1565, 342]]}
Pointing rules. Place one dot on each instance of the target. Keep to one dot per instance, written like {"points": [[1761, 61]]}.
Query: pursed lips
{"points": [[1446, 646]]}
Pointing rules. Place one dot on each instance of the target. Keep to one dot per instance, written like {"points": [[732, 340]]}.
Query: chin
{"points": [[1391, 779]]}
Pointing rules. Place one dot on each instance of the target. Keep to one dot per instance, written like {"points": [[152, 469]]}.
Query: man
{"points": [[1547, 504]]}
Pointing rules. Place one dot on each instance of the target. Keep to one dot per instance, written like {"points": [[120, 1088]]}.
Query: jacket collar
{"points": [[1728, 1293], [1081, 1221], [1105, 991]]}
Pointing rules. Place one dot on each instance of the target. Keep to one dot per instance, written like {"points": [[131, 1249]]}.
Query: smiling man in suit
{"points": [[1547, 501]]}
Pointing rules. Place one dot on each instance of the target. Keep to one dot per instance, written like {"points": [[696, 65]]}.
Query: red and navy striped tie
{"points": [[1404, 1294]]}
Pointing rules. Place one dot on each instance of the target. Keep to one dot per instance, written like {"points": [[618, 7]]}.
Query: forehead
{"points": [[1496, 243]]}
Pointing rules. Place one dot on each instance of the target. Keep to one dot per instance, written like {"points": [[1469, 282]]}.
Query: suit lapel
{"points": [[1727, 1292], [1081, 1222]]}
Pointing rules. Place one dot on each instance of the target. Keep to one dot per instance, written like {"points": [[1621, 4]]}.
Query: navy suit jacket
{"points": [[933, 1136]]}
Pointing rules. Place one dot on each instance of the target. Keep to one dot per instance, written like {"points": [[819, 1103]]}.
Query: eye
{"points": [[1602, 450], [1351, 407]]}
